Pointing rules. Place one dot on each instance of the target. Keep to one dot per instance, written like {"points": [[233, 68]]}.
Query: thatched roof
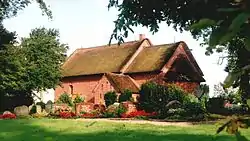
{"points": [[152, 58], [117, 59], [122, 82], [102, 59]]}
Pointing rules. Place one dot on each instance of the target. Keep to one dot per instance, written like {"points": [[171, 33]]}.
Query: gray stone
{"points": [[21, 110], [6, 112], [38, 109], [50, 108]]}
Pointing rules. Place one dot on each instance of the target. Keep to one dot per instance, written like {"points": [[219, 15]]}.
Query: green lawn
{"points": [[78, 130]]}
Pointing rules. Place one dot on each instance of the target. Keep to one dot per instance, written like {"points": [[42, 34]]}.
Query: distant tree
{"points": [[219, 91], [45, 55], [33, 65]]}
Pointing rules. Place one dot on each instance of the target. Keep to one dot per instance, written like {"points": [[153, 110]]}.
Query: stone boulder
{"points": [[50, 108], [38, 109], [6, 112], [21, 110]]}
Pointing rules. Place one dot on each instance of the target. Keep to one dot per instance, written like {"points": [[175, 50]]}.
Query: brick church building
{"points": [[91, 72]]}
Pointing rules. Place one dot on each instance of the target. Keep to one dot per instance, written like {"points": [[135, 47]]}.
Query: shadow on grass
{"points": [[25, 130]]}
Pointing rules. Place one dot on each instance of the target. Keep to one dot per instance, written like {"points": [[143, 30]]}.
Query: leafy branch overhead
{"points": [[220, 19], [232, 127], [10, 8]]}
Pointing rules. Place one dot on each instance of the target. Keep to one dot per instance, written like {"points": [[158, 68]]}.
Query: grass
{"points": [[85, 130]]}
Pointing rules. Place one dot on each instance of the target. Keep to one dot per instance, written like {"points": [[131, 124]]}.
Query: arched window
{"points": [[71, 90]]}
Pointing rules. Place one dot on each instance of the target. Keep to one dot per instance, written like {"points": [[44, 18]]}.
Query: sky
{"points": [[88, 23]]}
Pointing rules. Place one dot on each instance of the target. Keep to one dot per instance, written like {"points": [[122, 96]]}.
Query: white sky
{"points": [[87, 23]]}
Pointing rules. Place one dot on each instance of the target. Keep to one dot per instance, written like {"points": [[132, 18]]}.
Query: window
{"points": [[71, 90]]}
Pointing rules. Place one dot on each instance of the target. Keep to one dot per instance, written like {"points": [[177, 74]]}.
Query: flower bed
{"points": [[8, 116], [141, 113], [89, 115], [67, 115]]}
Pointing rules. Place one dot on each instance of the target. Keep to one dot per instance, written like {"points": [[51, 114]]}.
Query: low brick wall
{"points": [[84, 107], [130, 106]]}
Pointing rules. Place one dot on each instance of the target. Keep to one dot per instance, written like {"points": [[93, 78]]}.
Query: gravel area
{"points": [[160, 123]]}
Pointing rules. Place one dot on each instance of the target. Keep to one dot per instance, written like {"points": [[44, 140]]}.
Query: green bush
{"points": [[176, 93], [152, 97], [126, 95], [33, 109], [120, 110], [193, 108], [155, 98], [110, 98], [65, 98], [160, 99], [78, 99], [114, 111]]}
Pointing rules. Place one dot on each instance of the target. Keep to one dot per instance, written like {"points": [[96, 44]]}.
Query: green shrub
{"points": [[33, 109], [152, 97], [155, 98], [176, 93], [78, 99], [66, 99], [120, 110], [126, 95], [159, 98], [114, 111], [193, 108], [110, 98]]}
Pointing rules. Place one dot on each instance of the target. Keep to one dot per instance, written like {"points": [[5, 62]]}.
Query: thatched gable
{"points": [[152, 58], [122, 82]]}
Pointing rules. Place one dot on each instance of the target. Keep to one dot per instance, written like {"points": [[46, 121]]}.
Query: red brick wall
{"points": [[141, 78], [103, 87], [82, 85], [92, 88], [188, 86]]}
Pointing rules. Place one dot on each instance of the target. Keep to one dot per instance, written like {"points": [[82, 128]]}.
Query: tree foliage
{"points": [[33, 65], [201, 17], [45, 55], [6, 37], [10, 8], [110, 98]]}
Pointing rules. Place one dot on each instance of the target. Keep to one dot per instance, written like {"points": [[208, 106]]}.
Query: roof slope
{"points": [[152, 58], [122, 82], [98, 60]]}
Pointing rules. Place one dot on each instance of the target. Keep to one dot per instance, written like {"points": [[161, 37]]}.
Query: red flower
{"points": [[138, 114], [89, 115], [8, 116], [67, 114]]}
